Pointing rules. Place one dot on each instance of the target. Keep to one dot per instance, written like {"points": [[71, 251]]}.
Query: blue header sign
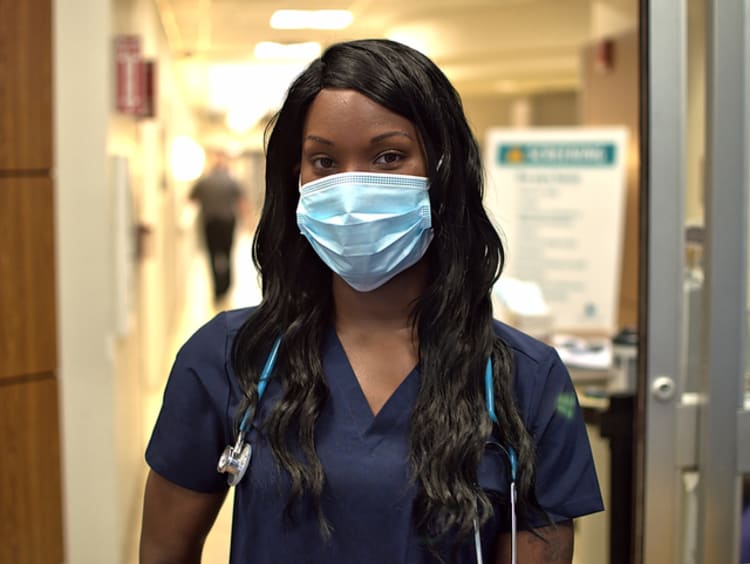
{"points": [[557, 154]]}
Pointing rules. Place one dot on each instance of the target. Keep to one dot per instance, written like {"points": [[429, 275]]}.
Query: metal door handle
{"points": [[663, 388]]}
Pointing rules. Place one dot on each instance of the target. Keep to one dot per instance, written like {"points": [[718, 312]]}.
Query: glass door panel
{"points": [[694, 380], [693, 350]]}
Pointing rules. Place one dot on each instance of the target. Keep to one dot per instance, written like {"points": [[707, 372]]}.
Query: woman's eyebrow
{"points": [[318, 139], [388, 134]]}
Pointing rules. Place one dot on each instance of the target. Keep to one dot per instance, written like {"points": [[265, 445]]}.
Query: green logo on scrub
{"points": [[566, 405]]}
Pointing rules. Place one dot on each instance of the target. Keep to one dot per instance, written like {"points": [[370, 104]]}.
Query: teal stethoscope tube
{"points": [[489, 395], [263, 381]]}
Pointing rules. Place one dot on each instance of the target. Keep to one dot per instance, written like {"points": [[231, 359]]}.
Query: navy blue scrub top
{"points": [[368, 493]]}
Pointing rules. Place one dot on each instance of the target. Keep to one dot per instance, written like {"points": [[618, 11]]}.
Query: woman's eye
{"points": [[323, 162], [389, 158]]}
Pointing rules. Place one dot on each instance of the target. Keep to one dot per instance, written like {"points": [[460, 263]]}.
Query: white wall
{"points": [[554, 108], [610, 18], [92, 518], [105, 377]]}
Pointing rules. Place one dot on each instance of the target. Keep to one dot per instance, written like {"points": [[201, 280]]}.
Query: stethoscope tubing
{"points": [[265, 375], [489, 395]]}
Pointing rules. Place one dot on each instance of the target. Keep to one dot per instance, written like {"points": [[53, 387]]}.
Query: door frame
{"points": [[665, 423]]}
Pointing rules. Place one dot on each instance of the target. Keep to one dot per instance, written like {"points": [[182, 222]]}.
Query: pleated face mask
{"points": [[367, 227]]}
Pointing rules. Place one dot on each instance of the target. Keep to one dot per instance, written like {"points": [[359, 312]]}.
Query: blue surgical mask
{"points": [[367, 227]]}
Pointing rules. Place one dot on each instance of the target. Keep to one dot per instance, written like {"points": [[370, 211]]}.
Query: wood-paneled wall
{"points": [[25, 85], [27, 271], [31, 523], [30, 481]]}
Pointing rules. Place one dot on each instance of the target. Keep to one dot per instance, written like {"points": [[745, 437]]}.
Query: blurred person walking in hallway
{"points": [[221, 200]]}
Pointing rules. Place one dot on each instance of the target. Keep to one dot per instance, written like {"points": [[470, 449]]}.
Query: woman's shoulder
{"points": [[539, 375], [525, 348], [212, 341], [196, 418]]}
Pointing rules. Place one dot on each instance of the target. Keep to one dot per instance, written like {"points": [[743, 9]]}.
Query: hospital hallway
{"points": [[614, 139]]}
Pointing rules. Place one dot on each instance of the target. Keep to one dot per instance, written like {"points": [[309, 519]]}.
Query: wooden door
{"points": [[30, 484]]}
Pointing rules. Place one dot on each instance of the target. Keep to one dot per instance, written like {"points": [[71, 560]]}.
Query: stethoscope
{"points": [[235, 459]]}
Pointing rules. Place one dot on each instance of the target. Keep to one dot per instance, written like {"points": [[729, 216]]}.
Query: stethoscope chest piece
{"points": [[234, 461]]}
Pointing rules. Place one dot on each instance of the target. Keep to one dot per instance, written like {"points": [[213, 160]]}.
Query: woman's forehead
{"points": [[339, 111]]}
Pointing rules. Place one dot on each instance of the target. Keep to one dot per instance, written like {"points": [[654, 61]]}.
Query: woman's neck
{"points": [[388, 307]]}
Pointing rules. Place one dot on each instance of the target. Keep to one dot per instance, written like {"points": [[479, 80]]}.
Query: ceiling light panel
{"points": [[311, 19]]}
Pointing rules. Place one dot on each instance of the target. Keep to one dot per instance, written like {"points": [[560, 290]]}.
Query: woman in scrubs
{"points": [[374, 440]]}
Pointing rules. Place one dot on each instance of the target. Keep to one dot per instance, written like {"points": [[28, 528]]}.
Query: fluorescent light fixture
{"points": [[311, 19], [301, 51]]}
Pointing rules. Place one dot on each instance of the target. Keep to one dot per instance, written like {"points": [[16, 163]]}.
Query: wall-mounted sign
{"points": [[558, 196], [128, 77], [135, 78]]}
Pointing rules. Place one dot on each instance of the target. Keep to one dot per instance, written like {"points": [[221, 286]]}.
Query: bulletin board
{"points": [[558, 197]]}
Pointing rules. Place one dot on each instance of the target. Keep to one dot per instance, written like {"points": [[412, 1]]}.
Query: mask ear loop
{"points": [[489, 394]]}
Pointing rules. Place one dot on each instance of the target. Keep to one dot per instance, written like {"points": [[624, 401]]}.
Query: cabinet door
{"points": [[25, 85], [27, 277], [31, 524]]}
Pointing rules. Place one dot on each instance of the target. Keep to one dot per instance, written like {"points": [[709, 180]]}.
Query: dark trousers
{"points": [[219, 235]]}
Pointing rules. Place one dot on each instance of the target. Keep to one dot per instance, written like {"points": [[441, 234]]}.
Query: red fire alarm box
{"points": [[128, 74], [135, 79]]}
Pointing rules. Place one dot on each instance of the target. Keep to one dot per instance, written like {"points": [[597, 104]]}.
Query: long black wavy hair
{"points": [[453, 318]]}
